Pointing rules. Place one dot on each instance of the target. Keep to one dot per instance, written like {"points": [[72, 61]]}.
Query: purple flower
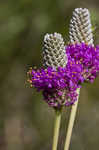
{"points": [[59, 85], [87, 59]]}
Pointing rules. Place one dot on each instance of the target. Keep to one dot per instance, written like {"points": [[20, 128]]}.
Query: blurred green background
{"points": [[26, 121]]}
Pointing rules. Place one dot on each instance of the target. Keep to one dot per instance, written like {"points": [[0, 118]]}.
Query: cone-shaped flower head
{"points": [[56, 82], [54, 54], [81, 47], [80, 27]]}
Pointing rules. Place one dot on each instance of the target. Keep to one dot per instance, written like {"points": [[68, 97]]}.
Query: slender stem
{"points": [[71, 123], [56, 129]]}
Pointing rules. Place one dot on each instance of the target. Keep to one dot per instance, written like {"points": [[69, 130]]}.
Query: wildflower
{"points": [[54, 80], [67, 67], [59, 85]]}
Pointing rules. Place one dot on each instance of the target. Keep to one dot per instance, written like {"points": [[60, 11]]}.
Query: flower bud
{"points": [[80, 29], [54, 54]]}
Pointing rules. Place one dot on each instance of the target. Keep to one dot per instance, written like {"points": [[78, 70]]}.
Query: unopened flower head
{"points": [[54, 51], [80, 27]]}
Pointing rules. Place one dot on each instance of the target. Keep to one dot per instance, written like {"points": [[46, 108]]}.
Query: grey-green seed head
{"points": [[54, 53], [80, 27]]}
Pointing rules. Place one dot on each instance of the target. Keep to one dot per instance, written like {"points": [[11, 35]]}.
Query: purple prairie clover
{"points": [[56, 82], [59, 86]]}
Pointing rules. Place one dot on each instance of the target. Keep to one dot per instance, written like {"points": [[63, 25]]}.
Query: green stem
{"points": [[56, 128], [71, 123]]}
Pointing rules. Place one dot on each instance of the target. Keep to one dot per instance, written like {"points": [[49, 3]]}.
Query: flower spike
{"points": [[80, 29], [54, 54]]}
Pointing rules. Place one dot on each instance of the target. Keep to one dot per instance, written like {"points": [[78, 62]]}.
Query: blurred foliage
{"points": [[26, 120]]}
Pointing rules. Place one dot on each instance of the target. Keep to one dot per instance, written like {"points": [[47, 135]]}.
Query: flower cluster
{"points": [[87, 56], [59, 85]]}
